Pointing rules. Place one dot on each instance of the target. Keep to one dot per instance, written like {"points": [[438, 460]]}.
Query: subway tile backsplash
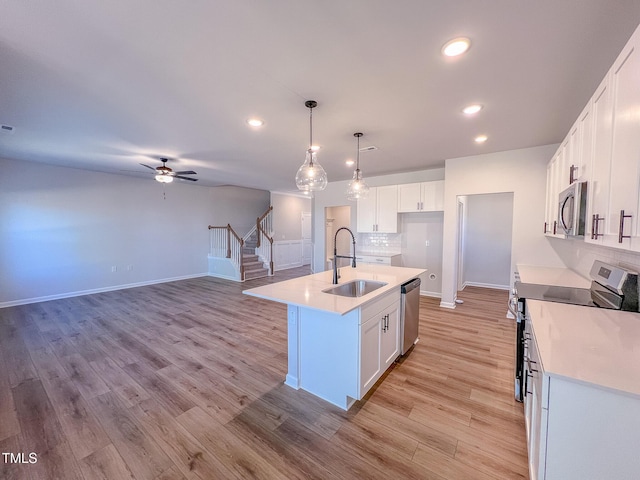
{"points": [[379, 242]]}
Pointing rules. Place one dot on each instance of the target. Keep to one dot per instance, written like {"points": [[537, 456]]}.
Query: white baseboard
{"points": [[426, 293], [485, 285], [451, 305], [46, 298]]}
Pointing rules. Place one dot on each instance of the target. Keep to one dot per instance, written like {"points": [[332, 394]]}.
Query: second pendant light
{"points": [[357, 188]]}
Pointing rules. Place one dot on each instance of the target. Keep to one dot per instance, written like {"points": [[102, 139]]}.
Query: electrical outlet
{"points": [[129, 268], [114, 269], [426, 243]]}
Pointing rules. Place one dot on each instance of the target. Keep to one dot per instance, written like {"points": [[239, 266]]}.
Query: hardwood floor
{"points": [[184, 380]]}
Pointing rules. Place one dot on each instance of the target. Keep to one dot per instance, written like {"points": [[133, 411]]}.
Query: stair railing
{"points": [[264, 227], [225, 242]]}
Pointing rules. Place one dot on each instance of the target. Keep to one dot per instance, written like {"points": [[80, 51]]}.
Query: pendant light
{"points": [[311, 176], [357, 187]]}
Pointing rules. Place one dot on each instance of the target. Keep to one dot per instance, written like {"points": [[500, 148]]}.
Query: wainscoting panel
{"points": [[287, 254]]}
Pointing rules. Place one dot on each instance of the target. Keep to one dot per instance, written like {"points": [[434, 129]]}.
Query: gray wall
{"points": [[287, 215], [238, 206], [417, 230], [487, 240], [62, 230]]}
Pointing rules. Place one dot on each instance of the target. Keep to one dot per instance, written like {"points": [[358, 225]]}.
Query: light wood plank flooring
{"points": [[184, 380]]}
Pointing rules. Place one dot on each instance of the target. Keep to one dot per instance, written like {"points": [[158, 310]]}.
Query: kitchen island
{"points": [[339, 346]]}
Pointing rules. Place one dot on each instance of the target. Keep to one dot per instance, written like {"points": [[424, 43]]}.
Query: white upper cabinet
{"points": [[598, 188], [379, 211], [555, 169], [603, 149], [421, 197], [625, 151]]}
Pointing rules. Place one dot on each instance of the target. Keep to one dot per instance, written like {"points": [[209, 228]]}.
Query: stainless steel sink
{"points": [[355, 288]]}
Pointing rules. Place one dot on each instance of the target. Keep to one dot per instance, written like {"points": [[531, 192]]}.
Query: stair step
{"points": [[250, 257], [257, 273]]}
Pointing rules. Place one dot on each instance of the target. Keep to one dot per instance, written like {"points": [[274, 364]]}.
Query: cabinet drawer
{"points": [[367, 259], [379, 304]]}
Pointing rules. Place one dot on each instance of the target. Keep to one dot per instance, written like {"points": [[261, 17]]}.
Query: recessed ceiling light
{"points": [[471, 109], [349, 163], [255, 122], [314, 148], [456, 47], [481, 139]]}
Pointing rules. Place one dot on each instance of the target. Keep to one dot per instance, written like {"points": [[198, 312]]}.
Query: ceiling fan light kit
{"points": [[357, 188], [311, 176], [164, 174]]}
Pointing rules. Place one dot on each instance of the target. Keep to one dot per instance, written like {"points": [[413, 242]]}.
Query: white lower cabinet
{"points": [[379, 342], [393, 260], [340, 357], [578, 431]]}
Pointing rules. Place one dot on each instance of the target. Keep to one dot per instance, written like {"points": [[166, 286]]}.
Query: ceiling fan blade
{"points": [[148, 167], [186, 172], [185, 178]]}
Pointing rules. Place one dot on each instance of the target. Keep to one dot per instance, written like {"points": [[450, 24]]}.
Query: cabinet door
{"points": [[585, 144], [600, 163], [409, 197], [553, 191], [573, 163], [370, 333], [433, 196], [390, 341], [387, 209], [625, 152], [366, 214]]}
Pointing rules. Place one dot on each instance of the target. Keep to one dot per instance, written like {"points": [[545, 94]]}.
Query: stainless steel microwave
{"points": [[572, 210]]}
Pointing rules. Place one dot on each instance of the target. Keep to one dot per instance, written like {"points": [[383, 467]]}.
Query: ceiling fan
{"points": [[165, 174]]}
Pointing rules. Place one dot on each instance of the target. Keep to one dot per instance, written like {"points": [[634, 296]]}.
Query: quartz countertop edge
{"points": [[589, 345], [307, 291], [552, 276]]}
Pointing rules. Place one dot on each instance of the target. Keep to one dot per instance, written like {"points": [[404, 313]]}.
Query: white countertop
{"points": [[307, 291], [592, 345], [556, 276]]}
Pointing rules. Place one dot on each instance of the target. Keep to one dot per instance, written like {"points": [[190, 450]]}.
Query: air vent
{"points": [[6, 129], [370, 148]]}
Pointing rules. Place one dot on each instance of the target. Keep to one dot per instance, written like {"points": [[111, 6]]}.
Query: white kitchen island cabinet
{"points": [[582, 405], [339, 347]]}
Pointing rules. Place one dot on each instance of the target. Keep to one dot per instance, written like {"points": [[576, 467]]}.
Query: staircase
{"points": [[253, 266], [242, 258]]}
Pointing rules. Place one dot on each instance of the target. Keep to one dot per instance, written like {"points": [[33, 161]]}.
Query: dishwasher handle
{"points": [[410, 285]]}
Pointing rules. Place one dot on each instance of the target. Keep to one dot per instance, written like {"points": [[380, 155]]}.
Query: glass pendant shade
{"points": [[357, 188], [311, 177], [164, 178]]}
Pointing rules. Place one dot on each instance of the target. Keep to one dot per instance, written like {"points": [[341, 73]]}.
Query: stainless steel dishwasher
{"points": [[409, 314]]}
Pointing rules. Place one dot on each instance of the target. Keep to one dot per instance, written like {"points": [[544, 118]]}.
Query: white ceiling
{"points": [[106, 85]]}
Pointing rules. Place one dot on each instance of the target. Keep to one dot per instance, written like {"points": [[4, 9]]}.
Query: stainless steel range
{"points": [[611, 287]]}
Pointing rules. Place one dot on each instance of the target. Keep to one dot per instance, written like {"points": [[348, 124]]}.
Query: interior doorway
{"points": [[335, 218], [485, 223]]}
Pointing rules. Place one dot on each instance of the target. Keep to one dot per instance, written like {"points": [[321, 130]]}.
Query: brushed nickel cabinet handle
{"points": [[572, 169], [545, 227], [555, 226], [595, 227], [621, 229]]}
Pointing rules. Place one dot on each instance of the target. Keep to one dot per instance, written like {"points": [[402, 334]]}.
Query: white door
{"points": [[307, 247]]}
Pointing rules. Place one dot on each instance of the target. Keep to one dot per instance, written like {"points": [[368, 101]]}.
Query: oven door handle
{"points": [[511, 305]]}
